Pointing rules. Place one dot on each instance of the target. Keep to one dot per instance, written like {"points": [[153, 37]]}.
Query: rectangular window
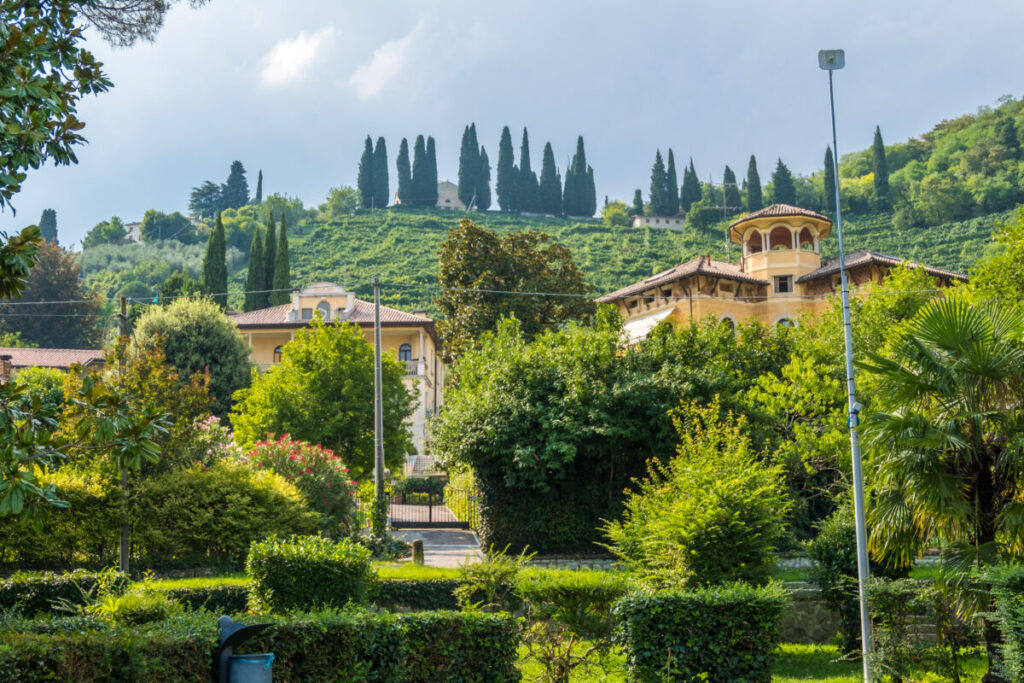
{"points": [[783, 284], [307, 313], [666, 292], [727, 287]]}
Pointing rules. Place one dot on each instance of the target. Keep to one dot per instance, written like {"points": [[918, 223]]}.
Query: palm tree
{"points": [[947, 448]]}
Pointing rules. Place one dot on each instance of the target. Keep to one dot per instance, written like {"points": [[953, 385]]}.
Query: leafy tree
{"points": [[550, 191], [881, 169], [341, 201], [945, 442], [483, 188], [830, 181], [420, 174], [507, 179], [615, 213], [235, 191], [659, 187], [50, 323], [195, 335], [1000, 274], [215, 269], [180, 284], [731, 192], [473, 259], [672, 182], [282, 269], [269, 258], [1006, 135], [364, 180], [206, 200], [404, 168], [528, 189], [46, 384], [944, 197], [754, 199], [48, 225], [258, 199], [255, 282], [123, 22], [381, 188], [322, 392], [638, 203], [469, 167], [293, 208], [690, 191], [782, 181], [157, 225], [107, 232], [430, 182]]}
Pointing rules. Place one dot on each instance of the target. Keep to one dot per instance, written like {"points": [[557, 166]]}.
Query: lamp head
{"points": [[831, 60]]}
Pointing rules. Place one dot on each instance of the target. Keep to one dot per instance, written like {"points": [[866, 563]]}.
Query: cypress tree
{"points": [[259, 188], [881, 172], [550, 191], [364, 180], [580, 196], [638, 202], [830, 181], [48, 225], [381, 190], [215, 270], [672, 188], [528, 192], [282, 270], [590, 208], [1006, 135], [690, 192], [755, 200], [469, 167], [256, 279], [483, 184], [404, 173], [731, 192], [235, 192], [659, 186], [419, 173], [782, 179], [269, 256], [430, 186], [506, 188]]}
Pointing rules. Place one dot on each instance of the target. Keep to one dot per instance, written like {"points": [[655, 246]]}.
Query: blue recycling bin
{"points": [[232, 668], [251, 668]]}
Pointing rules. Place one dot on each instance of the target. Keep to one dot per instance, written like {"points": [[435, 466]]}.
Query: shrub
{"points": [[320, 476], [461, 496], [460, 647], [1007, 583], [721, 634], [307, 572], [416, 594], [386, 547], [137, 607], [215, 598], [32, 594], [490, 586]]}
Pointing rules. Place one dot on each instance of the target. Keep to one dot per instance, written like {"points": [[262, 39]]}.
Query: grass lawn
{"points": [[238, 579]]}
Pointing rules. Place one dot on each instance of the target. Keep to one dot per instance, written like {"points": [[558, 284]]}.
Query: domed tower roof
{"points": [[770, 214]]}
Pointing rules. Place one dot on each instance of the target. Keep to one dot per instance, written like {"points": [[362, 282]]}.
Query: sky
{"points": [[293, 88]]}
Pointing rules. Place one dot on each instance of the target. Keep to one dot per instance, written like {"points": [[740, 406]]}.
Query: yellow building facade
{"points": [[409, 337], [779, 276]]}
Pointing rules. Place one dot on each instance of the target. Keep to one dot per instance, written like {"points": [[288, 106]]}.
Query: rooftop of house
{"points": [[702, 265], [863, 257], [51, 358]]}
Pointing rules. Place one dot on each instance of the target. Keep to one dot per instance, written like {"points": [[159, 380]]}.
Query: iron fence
{"points": [[449, 509]]}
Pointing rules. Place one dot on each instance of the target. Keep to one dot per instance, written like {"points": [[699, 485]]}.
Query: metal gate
{"points": [[449, 509]]}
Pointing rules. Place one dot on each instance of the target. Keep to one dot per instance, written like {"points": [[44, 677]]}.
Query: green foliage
{"points": [[580, 196], [461, 495], [550, 184], [364, 180], [215, 270], [416, 594], [690, 190], [784, 191], [307, 572], [638, 205], [507, 176], [48, 225], [460, 647], [218, 599], [722, 634], [483, 188], [830, 181], [660, 194], [381, 188], [255, 282], [206, 200], [137, 607], [322, 392], [755, 200], [404, 167], [161, 226], [179, 285], [527, 188], [1007, 585], [46, 384], [235, 190], [282, 284], [881, 172], [491, 585], [711, 515], [469, 166], [1000, 273], [42, 593], [731, 193]]}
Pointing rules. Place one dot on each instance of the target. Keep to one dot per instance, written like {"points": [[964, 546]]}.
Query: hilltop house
{"points": [[61, 359], [409, 336], [447, 197], [780, 275], [667, 222]]}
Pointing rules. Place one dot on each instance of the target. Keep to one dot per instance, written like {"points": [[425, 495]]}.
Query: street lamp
{"points": [[833, 60]]}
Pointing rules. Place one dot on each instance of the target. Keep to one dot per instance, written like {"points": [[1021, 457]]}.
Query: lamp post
{"points": [[833, 60]]}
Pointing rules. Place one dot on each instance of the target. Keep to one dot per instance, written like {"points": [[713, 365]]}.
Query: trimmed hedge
{"points": [[33, 594], [216, 599], [724, 634], [1008, 590], [416, 595], [446, 646]]}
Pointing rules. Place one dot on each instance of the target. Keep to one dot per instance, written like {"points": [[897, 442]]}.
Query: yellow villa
{"points": [[780, 275], [410, 337]]}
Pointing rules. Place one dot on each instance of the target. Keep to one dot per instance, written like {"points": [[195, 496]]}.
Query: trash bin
{"points": [[251, 668], [232, 668]]}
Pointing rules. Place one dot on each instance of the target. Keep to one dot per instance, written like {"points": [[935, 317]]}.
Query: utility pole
{"points": [[123, 554], [379, 520]]}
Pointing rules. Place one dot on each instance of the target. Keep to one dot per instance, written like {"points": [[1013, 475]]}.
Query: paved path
{"points": [[444, 547]]}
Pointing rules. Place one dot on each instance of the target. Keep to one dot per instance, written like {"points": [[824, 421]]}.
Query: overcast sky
{"points": [[293, 88]]}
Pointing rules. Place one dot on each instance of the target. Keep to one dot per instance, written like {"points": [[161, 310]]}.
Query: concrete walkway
{"points": [[444, 547]]}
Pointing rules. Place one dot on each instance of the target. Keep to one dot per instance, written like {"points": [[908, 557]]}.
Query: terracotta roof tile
{"points": [[702, 265], [362, 314], [863, 257], [778, 211], [51, 358]]}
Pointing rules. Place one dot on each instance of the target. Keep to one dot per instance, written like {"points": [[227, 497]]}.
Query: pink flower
{"points": [[330, 486], [293, 457], [344, 469], [308, 471]]}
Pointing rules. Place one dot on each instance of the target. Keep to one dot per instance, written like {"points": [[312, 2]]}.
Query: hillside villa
{"points": [[447, 197], [410, 337], [780, 275]]}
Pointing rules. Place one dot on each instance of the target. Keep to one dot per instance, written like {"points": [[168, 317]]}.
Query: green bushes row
{"points": [[32, 594]]}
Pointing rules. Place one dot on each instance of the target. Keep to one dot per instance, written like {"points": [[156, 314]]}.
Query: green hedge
{"points": [[1008, 590], [37, 593], [416, 595], [446, 646], [216, 599], [725, 634]]}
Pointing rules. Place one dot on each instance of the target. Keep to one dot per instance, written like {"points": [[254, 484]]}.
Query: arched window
{"points": [[277, 354], [754, 243], [324, 309], [780, 238], [728, 321], [806, 239], [785, 321], [404, 352]]}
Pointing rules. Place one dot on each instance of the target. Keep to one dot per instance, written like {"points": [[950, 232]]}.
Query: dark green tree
{"points": [[659, 187], [381, 188], [754, 199], [784, 190], [430, 185], [269, 256], [580, 197], [528, 190], [282, 269], [638, 202], [830, 181], [550, 190], [157, 225], [483, 187], [420, 175], [672, 187], [180, 284], [506, 188], [48, 225], [107, 232], [215, 269], [690, 192], [590, 189], [469, 167], [364, 180], [235, 191], [731, 192], [258, 199], [882, 198], [1006, 136], [206, 200], [256, 280], [404, 169]]}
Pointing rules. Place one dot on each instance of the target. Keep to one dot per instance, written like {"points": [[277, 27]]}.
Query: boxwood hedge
{"points": [[35, 593]]}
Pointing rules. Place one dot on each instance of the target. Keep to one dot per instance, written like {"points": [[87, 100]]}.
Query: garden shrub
{"points": [[215, 598], [32, 594], [386, 547], [1007, 583], [719, 634], [307, 572], [137, 607], [416, 594], [490, 585], [460, 647]]}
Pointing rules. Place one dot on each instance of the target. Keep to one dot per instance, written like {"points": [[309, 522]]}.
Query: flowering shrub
{"points": [[319, 474], [213, 441]]}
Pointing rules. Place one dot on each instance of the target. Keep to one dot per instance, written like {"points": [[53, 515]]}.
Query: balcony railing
{"points": [[415, 367]]}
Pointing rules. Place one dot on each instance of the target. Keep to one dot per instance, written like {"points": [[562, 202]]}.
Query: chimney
{"points": [[420, 311], [5, 369]]}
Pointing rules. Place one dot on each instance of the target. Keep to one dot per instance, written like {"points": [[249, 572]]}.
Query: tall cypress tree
{"points": [[731, 192], [550, 191], [528, 192], [258, 199], [690, 192], [638, 202], [404, 173], [269, 256], [48, 225], [430, 185], [506, 188], [580, 196], [381, 190], [672, 200], [282, 270], [419, 173], [755, 200], [483, 182], [364, 180], [469, 167], [830, 181], [256, 279], [215, 270], [659, 187], [784, 190], [590, 189], [882, 198]]}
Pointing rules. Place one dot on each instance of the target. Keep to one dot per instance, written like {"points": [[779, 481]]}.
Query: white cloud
{"points": [[386, 65], [290, 60]]}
